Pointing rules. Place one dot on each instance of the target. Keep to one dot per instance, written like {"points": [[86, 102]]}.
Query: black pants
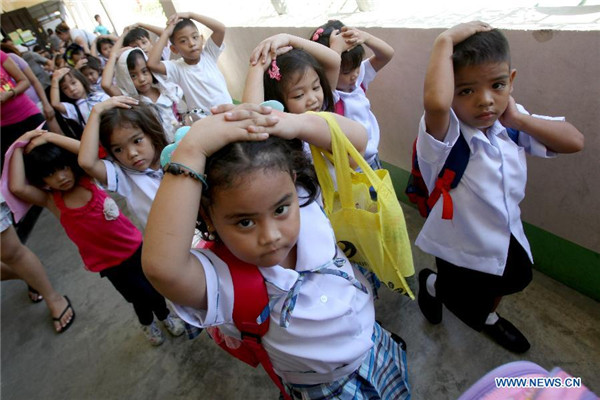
{"points": [[129, 279], [471, 295]]}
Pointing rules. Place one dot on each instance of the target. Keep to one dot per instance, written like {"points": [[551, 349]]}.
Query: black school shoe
{"points": [[507, 335], [430, 306]]}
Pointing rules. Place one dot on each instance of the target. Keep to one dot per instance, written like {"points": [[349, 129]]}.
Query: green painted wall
{"points": [[565, 261]]}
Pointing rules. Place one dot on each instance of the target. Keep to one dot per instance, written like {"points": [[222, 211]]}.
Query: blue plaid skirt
{"points": [[382, 375]]}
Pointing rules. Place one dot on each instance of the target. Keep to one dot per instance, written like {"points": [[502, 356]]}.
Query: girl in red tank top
{"points": [[107, 241]]}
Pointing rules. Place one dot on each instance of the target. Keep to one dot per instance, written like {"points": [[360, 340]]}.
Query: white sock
{"points": [[492, 319], [431, 284]]}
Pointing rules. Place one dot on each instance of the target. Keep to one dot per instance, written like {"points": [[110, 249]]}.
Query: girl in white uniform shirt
{"points": [[259, 202]]}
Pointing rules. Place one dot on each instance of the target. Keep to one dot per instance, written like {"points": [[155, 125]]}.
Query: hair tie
{"points": [[317, 34], [274, 71]]}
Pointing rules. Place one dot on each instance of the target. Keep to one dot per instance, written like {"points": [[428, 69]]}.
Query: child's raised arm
{"points": [[90, 140], [17, 182], [328, 58], [154, 63], [439, 78], [109, 69], [382, 52], [55, 90], [166, 257], [558, 136], [217, 28]]}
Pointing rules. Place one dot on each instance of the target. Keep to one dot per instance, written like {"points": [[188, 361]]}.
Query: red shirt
{"points": [[17, 108], [104, 236]]}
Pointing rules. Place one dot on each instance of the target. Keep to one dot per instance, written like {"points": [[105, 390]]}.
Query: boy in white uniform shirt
{"points": [[196, 71], [481, 254]]}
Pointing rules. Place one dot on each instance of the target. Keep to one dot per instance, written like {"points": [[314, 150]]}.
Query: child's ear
{"points": [[205, 215], [513, 74], [173, 49]]}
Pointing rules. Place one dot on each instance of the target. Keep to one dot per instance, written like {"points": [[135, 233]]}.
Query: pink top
{"points": [[15, 109], [104, 236]]}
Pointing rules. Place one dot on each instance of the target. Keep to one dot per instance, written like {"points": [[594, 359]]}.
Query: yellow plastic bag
{"points": [[372, 233]]}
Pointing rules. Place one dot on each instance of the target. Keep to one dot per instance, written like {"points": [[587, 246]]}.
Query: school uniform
{"points": [[357, 107], [325, 333], [138, 187], [485, 237]]}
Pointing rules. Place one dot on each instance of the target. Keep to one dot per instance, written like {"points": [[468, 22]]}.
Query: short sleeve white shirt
{"points": [[330, 329], [138, 188], [485, 202], [203, 84], [357, 107], [85, 106]]}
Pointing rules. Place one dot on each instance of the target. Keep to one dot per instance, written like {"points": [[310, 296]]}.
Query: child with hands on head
{"points": [[107, 241], [71, 95], [356, 73], [134, 78], [298, 73], [259, 202], [196, 72], [134, 138], [482, 253]]}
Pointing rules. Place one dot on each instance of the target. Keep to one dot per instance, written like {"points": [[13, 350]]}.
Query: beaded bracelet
{"points": [[180, 169]]}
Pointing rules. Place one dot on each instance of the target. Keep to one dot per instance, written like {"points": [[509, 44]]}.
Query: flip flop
{"points": [[35, 293], [64, 328]]}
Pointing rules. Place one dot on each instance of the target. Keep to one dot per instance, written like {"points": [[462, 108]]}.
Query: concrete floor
{"points": [[104, 355]]}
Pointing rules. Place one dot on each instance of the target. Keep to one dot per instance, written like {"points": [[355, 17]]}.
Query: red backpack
{"points": [[250, 304]]}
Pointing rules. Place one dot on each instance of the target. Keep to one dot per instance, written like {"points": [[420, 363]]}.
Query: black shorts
{"points": [[471, 295]]}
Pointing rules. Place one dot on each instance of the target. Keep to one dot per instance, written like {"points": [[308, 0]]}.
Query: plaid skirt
{"points": [[382, 375]]}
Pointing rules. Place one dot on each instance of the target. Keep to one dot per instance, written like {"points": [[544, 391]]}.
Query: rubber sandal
{"points": [[64, 328], [35, 293]]}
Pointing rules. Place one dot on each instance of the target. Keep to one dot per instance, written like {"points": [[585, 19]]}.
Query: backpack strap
{"points": [[450, 176], [250, 304]]}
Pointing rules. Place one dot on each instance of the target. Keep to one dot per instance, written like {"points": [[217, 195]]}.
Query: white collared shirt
{"points": [[357, 107], [138, 188], [331, 325], [485, 202]]}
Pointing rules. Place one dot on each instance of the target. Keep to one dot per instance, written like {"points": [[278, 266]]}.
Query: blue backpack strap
{"points": [[513, 134]]}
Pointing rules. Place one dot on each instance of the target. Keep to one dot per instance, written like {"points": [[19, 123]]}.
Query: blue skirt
{"points": [[382, 375]]}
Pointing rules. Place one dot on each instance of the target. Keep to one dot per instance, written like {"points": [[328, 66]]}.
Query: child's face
{"points": [[141, 76], [91, 74], [105, 49], [143, 43], [258, 218], [347, 80], [72, 88], [62, 179], [481, 93], [76, 57], [133, 148], [188, 43], [304, 92]]}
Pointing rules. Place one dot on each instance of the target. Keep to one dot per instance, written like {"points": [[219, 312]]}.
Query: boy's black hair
{"points": [[236, 160], [180, 25], [134, 35], [480, 48], [132, 59], [76, 75], [93, 63], [142, 116], [292, 63], [47, 158], [352, 58], [102, 41]]}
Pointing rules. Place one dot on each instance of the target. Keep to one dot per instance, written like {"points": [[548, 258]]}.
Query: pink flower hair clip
{"points": [[274, 71], [317, 34]]}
